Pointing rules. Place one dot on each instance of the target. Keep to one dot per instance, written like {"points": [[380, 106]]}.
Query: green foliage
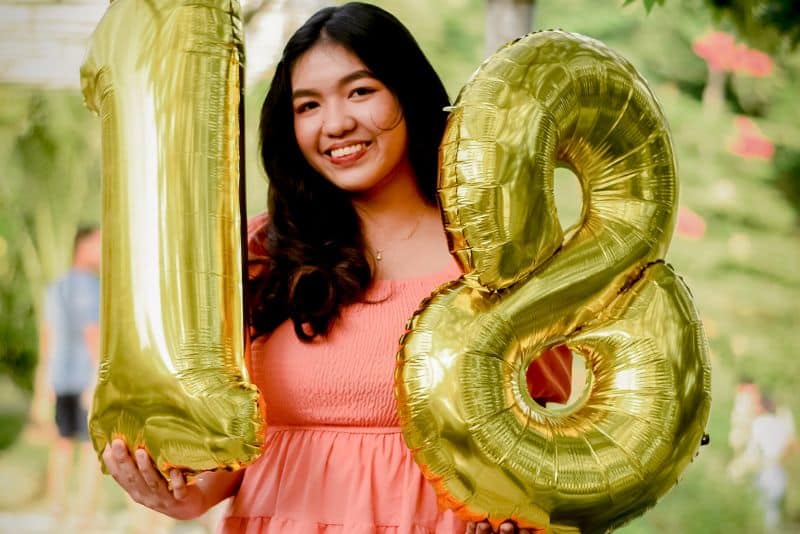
{"points": [[13, 410], [787, 175], [648, 4], [768, 24], [256, 181], [49, 147], [451, 33], [18, 350], [10, 427]]}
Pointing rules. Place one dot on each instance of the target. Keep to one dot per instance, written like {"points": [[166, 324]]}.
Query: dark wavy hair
{"points": [[315, 259]]}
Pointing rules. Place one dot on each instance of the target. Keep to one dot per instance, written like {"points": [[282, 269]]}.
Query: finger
{"points": [[507, 528], [112, 464], [128, 473], [148, 472], [107, 456], [108, 459], [177, 484]]}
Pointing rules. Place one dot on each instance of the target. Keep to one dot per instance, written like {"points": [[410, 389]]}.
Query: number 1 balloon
{"points": [[548, 99], [165, 79]]}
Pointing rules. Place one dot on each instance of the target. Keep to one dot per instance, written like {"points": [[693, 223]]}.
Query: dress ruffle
{"points": [[378, 487]]}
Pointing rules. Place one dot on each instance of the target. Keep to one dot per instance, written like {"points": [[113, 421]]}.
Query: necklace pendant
{"points": [[378, 256]]}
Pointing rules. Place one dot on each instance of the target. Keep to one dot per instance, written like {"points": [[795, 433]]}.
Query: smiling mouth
{"points": [[345, 151]]}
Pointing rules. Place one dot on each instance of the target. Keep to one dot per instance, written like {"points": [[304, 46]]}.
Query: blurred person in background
{"points": [[70, 339], [772, 440], [746, 407]]}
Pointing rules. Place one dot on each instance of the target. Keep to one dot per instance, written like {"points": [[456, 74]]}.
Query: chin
{"points": [[354, 189], [355, 185]]}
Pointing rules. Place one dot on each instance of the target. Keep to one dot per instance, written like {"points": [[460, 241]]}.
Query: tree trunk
{"points": [[714, 92], [507, 20]]}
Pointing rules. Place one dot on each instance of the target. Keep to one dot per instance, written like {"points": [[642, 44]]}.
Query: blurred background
{"points": [[728, 76]]}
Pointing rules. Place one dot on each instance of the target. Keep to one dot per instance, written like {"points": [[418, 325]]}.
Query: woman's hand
{"points": [[484, 527], [142, 481]]}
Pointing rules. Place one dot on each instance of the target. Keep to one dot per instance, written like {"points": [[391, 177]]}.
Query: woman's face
{"points": [[349, 125]]}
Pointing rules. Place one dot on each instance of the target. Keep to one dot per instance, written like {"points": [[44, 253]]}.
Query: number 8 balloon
{"points": [[554, 98], [164, 77]]}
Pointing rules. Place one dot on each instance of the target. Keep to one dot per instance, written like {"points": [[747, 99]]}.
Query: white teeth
{"points": [[347, 150]]}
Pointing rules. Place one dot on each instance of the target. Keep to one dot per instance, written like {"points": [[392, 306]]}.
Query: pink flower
{"points": [[749, 142], [717, 48], [690, 224], [723, 54], [754, 62]]}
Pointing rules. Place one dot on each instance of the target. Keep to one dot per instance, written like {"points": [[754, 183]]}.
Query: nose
{"points": [[338, 121]]}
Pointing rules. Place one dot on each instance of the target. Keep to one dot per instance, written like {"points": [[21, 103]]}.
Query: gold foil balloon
{"points": [[550, 99], [164, 76]]}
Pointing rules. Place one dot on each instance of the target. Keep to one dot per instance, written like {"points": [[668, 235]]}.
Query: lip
{"points": [[349, 158]]}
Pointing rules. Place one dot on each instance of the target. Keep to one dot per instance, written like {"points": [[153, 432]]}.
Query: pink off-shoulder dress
{"points": [[334, 459]]}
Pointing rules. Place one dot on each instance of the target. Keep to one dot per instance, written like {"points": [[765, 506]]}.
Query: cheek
{"points": [[306, 140], [399, 140], [386, 113]]}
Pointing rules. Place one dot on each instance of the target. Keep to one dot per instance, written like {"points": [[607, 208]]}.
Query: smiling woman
{"points": [[352, 244], [348, 124], [350, 77]]}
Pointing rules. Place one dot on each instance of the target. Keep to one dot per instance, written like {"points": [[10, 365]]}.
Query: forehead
{"points": [[324, 64]]}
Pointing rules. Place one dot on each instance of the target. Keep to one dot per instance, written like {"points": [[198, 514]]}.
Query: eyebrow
{"points": [[353, 76]]}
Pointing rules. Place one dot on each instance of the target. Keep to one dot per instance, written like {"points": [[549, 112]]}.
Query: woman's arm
{"points": [[140, 479]]}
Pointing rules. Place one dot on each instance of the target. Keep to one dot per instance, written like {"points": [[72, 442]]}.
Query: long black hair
{"points": [[315, 260]]}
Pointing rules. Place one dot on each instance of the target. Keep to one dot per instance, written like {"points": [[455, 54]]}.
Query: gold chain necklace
{"points": [[379, 251]]}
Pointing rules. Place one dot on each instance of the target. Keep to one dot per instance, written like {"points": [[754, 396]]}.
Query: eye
{"points": [[362, 91], [303, 107]]}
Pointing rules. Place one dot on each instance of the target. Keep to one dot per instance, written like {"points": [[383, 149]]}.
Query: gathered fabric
{"points": [[337, 479]]}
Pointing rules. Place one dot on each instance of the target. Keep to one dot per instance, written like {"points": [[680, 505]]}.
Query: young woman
{"points": [[353, 242]]}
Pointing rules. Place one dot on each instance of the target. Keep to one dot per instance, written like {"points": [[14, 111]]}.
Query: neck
{"points": [[395, 203]]}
